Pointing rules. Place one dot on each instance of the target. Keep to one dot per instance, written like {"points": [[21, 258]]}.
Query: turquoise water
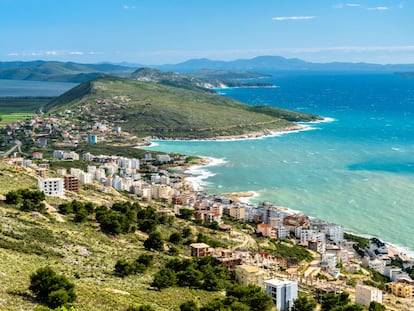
{"points": [[33, 88], [357, 171]]}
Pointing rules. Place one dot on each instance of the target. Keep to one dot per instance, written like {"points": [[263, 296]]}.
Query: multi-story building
{"points": [[51, 186], [365, 294], [401, 289], [71, 183], [283, 293], [200, 250], [267, 230], [249, 275]]}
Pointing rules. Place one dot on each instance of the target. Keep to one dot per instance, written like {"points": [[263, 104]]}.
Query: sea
{"points": [[13, 88], [355, 169]]}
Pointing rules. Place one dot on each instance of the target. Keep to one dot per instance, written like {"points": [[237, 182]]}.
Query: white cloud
{"points": [[128, 7], [292, 18], [350, 5], [52, 53], [379, 8]]}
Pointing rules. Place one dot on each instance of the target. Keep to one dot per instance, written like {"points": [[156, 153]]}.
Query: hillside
{"points": [[203, 80], [151, 109], [85, 255], [59, 71]]}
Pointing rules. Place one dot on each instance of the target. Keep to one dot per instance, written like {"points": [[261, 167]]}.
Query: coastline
{"points": [[195, 176], [296, 128]]}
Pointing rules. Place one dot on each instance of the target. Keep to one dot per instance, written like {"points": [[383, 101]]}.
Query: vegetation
{"points": [[20, 108], [52, 289], [304, 303], [361, 241], [27, 200], [194, 273], [376, 306], [59, 71], [293, 253], [150, 109]]}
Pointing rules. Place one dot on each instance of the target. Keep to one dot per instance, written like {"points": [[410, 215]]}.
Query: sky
{"points": [[155, 32]]}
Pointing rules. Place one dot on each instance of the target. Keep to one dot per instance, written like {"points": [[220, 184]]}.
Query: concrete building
{"points": [[365, 294], [51, 186], [249, 275], [71, 183], [267, 230], [200, 250], [238, 213], [401, 289], [283, 293]]}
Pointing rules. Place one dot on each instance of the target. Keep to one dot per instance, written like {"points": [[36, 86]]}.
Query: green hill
{"points": [[151, 109], [59, 71]]}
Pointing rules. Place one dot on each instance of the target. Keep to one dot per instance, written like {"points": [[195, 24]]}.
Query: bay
{"points": [[357, 171], [16, 88]]}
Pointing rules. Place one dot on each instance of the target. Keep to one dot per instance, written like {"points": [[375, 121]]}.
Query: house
{"points": [[201, 250], [283, 293], [37, 155]]}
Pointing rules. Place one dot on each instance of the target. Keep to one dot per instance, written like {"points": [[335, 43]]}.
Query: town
{"points": [[340, 261]]}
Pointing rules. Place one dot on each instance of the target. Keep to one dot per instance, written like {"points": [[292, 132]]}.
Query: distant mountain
{"points": [[203, 80], [278, 63], [146, 108], [59, 71]]}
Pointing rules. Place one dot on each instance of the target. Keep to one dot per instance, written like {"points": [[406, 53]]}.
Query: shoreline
{"points": [[197, 183], [296, 128], [196, 175]]}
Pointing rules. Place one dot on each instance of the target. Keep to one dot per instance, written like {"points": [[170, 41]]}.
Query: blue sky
{"points": [[171, 31]]}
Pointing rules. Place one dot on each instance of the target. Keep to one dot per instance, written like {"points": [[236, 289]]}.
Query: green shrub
{"points": [[50, 288]]}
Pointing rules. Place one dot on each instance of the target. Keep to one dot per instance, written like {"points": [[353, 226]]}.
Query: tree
{"points": [[376, 306], [175, 238], [154, 242], [50, 288], [124, 268], [164, 278], [252, 296], [186, 213], [332, 300], [146, 259], [303, 303], [189, 306]]}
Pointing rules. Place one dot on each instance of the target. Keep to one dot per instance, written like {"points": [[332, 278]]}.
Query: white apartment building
{"points": [[85, 178], [283, 293], [365, 294], [52, 186], [336, 233]]}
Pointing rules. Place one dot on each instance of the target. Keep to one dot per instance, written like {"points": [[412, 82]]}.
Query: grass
{"points": [[19, 108], [12, 179]]}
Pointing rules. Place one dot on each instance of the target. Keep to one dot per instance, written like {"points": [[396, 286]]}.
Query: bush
{"points": [[50, 288], [154, 242]]}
